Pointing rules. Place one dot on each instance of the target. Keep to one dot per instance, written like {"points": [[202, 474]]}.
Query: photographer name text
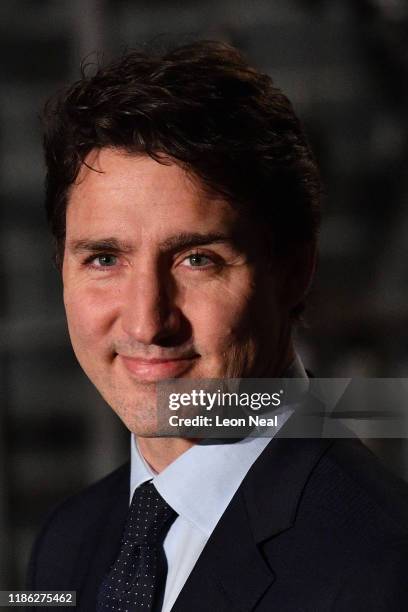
{"points": [[217, 421]]}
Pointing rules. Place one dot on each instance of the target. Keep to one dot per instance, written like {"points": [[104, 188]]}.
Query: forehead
{"points": [[125, 192]]}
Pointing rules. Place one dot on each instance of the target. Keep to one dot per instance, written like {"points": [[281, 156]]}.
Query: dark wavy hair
{"points": [[204, 107]]}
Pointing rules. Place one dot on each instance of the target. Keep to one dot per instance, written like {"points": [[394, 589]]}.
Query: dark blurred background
{"points": [[344, 64]]}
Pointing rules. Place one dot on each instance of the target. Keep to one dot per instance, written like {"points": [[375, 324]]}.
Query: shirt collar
{"points": [[194, 485]]}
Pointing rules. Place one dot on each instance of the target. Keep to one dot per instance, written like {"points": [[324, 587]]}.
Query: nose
{"points": [[149, 314]]}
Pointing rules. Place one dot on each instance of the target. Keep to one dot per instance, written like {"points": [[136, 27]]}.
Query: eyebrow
{"points": [[191, 239], [103, 244], [178, 242]]}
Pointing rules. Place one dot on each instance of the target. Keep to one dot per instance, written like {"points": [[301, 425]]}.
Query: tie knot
{"points": [[149, 516]]}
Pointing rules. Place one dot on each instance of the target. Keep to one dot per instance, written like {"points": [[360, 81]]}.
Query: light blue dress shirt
{"points": [[199, 485]]}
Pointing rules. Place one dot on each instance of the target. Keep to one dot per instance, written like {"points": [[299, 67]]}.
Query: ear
{"points": [[298, 271]]}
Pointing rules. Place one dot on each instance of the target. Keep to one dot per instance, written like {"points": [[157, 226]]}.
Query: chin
{"points": [[140, 421], [137, 409]]}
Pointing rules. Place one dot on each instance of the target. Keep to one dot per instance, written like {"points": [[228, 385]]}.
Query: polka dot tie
{"points": [[137, 578]]}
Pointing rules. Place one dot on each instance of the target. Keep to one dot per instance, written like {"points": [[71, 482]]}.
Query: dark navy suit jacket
{"points": [[317, 525]]}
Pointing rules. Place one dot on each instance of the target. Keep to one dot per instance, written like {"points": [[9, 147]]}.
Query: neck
{"points": [[285, 363]]}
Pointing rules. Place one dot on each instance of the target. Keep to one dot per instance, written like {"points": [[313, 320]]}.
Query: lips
{"points": [[152, 370]]}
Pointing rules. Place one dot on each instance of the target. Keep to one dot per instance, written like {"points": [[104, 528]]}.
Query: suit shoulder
{"points": [[74, 521], [92, 497], [359, 490]]}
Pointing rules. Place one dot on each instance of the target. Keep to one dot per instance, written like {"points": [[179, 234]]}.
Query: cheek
{"points": [[219, 316], [89, 312]]}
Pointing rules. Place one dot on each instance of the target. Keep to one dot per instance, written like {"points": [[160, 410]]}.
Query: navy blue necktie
{"points": [[137, 578]]}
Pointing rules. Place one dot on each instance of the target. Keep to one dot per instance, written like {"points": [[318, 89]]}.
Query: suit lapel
{"points": [[101, 548], [275, 483], [231, 572]]}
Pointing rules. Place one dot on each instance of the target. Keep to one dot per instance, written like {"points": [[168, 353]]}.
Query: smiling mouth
{"points": [[152, 370]]}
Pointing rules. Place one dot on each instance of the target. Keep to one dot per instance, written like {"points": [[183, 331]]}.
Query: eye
{"points": [[198, 260], [103, 261]]}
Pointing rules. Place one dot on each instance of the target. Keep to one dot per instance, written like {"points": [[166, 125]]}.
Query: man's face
{"points": [[162, 280]]}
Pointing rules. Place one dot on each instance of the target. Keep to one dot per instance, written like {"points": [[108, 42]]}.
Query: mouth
{"points": [[153, 370]]}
